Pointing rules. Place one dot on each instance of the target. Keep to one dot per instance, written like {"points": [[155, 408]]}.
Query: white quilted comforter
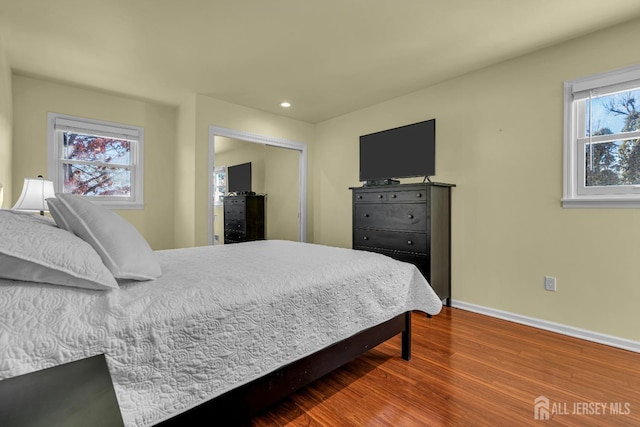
{"points": [[219, 316]]}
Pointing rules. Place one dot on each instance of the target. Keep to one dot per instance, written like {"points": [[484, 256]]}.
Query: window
{"points": [[602, 140], [219, 185], [97, 159]]}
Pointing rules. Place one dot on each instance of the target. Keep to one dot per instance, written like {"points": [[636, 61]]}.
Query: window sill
{"points": [[602, 203], [119, 206]]}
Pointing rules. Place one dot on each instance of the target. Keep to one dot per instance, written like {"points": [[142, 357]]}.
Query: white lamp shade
{"points": [[34, 194]]}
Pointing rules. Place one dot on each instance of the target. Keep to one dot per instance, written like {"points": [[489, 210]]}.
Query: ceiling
{"points": [[327, 57]]}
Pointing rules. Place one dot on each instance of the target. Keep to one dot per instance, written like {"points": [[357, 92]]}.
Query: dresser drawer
{"points": [[391, 240], [234, 200], [235, 212], [236, 234], [420, 260], [370, 196], [392, 216], [234, 224], [392, 196], [418, 195], [234, 237]]}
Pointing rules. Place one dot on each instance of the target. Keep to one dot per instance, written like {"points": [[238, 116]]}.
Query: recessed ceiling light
{"points": [[285, 104]]}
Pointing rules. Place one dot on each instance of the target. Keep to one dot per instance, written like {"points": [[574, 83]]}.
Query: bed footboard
{"points": [[249, 399]]}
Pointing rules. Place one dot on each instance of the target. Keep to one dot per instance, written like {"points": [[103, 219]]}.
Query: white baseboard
{"points": [[551, 326]]}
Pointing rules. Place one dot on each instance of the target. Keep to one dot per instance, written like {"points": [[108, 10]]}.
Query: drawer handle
{"points": [[419, 195], [359, 196], [365, 238], [393, 196], [410, 216], [379, 196], [366, 215], [410, 242]]}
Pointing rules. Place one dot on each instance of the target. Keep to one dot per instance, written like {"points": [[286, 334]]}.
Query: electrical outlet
{"points": [[549, 283]]}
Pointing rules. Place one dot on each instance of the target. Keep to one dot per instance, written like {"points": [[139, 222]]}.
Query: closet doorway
{"points": [[284, 206]]}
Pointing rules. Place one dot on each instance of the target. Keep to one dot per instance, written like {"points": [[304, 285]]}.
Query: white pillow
{"points": [[33, 249], [56, 213], [122, 249]]}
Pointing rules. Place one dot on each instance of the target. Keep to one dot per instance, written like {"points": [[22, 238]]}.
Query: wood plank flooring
{"points": [[472, 370]]}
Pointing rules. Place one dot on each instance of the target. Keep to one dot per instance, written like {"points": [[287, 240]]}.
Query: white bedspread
{"points": [[219, 316]]}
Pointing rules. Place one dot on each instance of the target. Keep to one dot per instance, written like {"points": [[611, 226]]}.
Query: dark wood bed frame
{"points": [[248, 400]]}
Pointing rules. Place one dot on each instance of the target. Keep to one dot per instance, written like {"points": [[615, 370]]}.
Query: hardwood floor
{"points": [[472, 370]]}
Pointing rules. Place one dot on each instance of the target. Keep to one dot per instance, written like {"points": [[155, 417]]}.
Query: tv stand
{"points": [[244, 218], [408, 222], [376, 182]]}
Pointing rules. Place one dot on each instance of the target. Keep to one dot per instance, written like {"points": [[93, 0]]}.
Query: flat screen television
{"points": [[403, 152], [239, 178]]}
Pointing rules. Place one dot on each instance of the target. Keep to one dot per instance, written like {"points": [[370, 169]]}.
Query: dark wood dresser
{"points": [[243, 218], [408, 222]]}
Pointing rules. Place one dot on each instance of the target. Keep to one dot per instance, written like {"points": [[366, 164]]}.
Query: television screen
{"points": [[239, 178], [402, 152]]}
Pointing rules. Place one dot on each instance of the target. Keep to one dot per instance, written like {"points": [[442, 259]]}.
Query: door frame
{"points": [[301, 147]]}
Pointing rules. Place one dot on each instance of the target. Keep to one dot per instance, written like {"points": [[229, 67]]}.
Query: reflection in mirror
{"points": [[274, 173]]}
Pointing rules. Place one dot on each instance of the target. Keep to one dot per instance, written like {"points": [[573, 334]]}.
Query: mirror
{"points": [[278, 170]]}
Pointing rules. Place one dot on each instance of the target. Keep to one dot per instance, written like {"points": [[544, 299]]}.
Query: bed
{"points": [[230, 327]]}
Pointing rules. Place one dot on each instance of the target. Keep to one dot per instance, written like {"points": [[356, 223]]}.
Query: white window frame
{"points": [[218, 189], [57, 123], [575, 193]]}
